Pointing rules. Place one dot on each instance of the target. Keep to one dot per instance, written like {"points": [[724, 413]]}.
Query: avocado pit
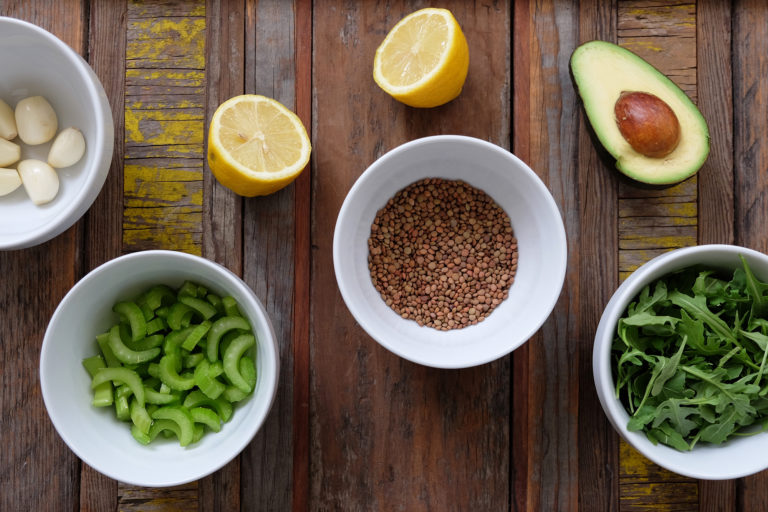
{"points": [[647, 123]]}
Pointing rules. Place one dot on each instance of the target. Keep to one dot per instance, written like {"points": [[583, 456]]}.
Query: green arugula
{"points": [[689, 357]]}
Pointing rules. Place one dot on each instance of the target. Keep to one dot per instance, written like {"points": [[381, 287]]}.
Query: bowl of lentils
{"points": [[449, 251]]}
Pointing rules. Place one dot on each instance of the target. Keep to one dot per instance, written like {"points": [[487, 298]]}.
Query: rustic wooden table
{"points": [[354, 427]]}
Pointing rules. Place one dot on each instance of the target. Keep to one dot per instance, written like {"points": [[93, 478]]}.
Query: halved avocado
{"points": [[602, 71]]}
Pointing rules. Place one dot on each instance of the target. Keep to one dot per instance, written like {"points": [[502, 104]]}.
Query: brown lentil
{"points": [[442, 253]]}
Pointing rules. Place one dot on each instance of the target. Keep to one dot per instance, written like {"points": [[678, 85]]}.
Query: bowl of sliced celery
{"points": [[158, 368]]}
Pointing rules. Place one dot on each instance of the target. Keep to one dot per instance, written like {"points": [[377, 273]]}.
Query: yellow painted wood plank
{"points": [[174, 43], [654, 220], [164, 127]]}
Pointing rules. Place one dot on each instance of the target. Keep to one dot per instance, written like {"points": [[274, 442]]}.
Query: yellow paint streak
{"points": [[640, 46], [164, 127], [658, 242], [633, 464], [167, 39], [186, 77], [138, 104]]}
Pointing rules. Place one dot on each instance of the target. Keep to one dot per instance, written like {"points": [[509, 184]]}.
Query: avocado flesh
{"points": [[602, 71]]}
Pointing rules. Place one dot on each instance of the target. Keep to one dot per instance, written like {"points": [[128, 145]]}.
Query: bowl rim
{"points": [[549, 203], [602, 366], [261, 414], [103, 145]]}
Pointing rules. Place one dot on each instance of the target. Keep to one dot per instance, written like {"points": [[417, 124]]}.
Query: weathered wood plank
{"points": [[521, 146], [163, 195], [103, 221], [594, 279], [663, 33], [301, 266], [716, 199], [388, 434], [750, 95], [268, 242], [546, 136], [164, 120], [38, 471], [222, 209]]}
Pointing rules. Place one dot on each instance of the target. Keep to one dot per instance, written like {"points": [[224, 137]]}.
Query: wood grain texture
{"points": [[222, 209], [388, 434], [163, 161], [657, 219], [164, 126], [596, 250], [750, 96], [521, 146], [103, 221], [546, 135], [38, 471], [302, 258], [268, 245], [716, 200]]}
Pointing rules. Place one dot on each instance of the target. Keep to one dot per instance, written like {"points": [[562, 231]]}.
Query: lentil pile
{"points": [[442, 253]]}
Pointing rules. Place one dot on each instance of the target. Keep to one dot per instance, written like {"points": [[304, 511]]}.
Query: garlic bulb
{"points": [[9, 181], [9, 152], [7, 122], [40, 180], [67, 149], [36, 120]]}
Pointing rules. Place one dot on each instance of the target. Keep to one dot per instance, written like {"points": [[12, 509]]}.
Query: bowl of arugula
{"points": [[680, 361]]}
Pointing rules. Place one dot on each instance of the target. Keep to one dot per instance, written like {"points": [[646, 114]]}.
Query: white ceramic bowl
{"points": [[94, 434], [35, 62], [733, 459], [536, 221]]}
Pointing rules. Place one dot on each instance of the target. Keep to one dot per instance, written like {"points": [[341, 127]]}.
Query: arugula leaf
{"points": [[755, 289], [697, 308], [677, 415], [690, 354]]}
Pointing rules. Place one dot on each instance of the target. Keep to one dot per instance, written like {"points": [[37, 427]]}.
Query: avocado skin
{"points": [[601, 72]]}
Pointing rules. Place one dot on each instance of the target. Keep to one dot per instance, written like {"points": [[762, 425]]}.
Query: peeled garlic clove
{"points": [[35, 120], [7, 122], [67, 148], [9, 152], [9, 181], [39, 179]]}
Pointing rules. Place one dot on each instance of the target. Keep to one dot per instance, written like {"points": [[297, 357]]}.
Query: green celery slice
{"points": [[197, 398], [179, 316], [140, 417], [196, 335], [103, 394], [125, 354], [109, 356], [122, 409], [140, 436], [202, 307], [230, 306], [218, 329], [207, 383], [182, 417], [170, 377], [232, 361], [134, 316], [206, 417], [123, 375]]}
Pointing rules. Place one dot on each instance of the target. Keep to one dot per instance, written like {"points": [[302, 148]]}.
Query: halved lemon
{"points": [[256, 146], [424, 59]]}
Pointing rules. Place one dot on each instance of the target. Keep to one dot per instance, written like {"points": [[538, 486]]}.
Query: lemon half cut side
{"points": [[423, 61], [256, 145]]}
